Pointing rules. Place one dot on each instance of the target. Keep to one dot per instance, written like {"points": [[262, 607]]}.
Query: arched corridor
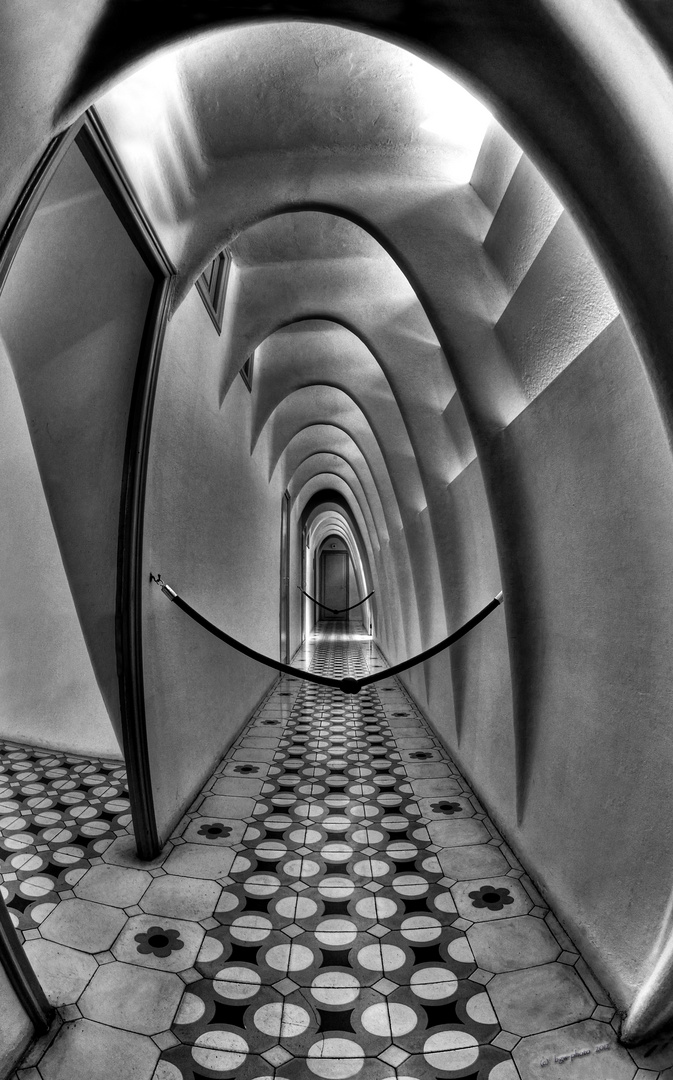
{"points": [[346, 306]]}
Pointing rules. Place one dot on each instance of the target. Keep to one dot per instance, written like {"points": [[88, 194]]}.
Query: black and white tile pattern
{"points": [[336, 904], [58, 814]]}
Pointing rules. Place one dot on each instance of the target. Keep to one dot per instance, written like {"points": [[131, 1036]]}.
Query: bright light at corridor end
{"points": [[454, 116]]}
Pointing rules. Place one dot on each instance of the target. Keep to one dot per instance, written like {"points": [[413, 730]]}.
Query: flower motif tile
{"points": [[446, 806], [159, 942], [58, 812], [221, 831], [491, 898], [330, 907]]}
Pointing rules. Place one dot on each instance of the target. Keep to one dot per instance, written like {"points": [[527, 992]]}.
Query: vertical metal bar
{"points": [[21, 975]]}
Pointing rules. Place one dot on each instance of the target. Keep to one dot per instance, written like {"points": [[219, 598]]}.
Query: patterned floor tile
{"points": [[159, 942], [336, 904]]}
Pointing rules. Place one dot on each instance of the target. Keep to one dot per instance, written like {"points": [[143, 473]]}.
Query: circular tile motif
{"points": [[220, 1051], [251, 928], [389, 1019], [431, 984], [451, 1050], [335, 1059], [282, 1020], [237, 983], [335, 988], [332, 857], [291, 957]]}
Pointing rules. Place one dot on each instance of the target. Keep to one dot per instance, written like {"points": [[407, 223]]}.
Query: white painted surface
{"points": [[213, 531], [71, 315]]}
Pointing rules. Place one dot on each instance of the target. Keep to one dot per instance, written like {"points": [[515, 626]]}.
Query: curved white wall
{"points": [[561, 488]]}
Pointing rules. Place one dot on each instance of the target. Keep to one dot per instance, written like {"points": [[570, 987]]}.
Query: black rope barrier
{"points": [[335, 611], [347, 685]]}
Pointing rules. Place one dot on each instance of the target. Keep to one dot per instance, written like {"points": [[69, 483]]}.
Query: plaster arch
{"points": [[414, 546], [551, 116], [329, 523], [330, 527], [337, 359], [624, 207], [310, 457], [311, 408], [439, 458], [329, 502], [341, 477], [391, 554], [328, 505], [409, 484], [319, 405], [519, 505], [303, 488], [408, 532], [323, 524], [410, 357], [395, 625]]}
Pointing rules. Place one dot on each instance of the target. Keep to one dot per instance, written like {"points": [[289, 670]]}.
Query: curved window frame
{"points": [[212, 286]]}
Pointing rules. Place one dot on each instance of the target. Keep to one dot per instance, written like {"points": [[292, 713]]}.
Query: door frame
{"points": [[324, 554], [92, 140], [284, 605], [102, 158], [89, 134]]}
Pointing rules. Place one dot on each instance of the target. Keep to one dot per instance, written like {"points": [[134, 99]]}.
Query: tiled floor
{"points": [[336, 905]]}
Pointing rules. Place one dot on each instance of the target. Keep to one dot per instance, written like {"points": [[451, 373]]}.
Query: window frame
{"points": [[247, 370], [212, 286]]}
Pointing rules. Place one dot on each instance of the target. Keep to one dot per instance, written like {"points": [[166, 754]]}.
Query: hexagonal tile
{"points": [[200, 861], [590, 1049], [181, 897], [540, 998], [131, 997], [512, 944], [458, 833], [63, 972], [145, 941], [85, 1050], [83, 925], [119, 886], [484, 899], [472, 861]]}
